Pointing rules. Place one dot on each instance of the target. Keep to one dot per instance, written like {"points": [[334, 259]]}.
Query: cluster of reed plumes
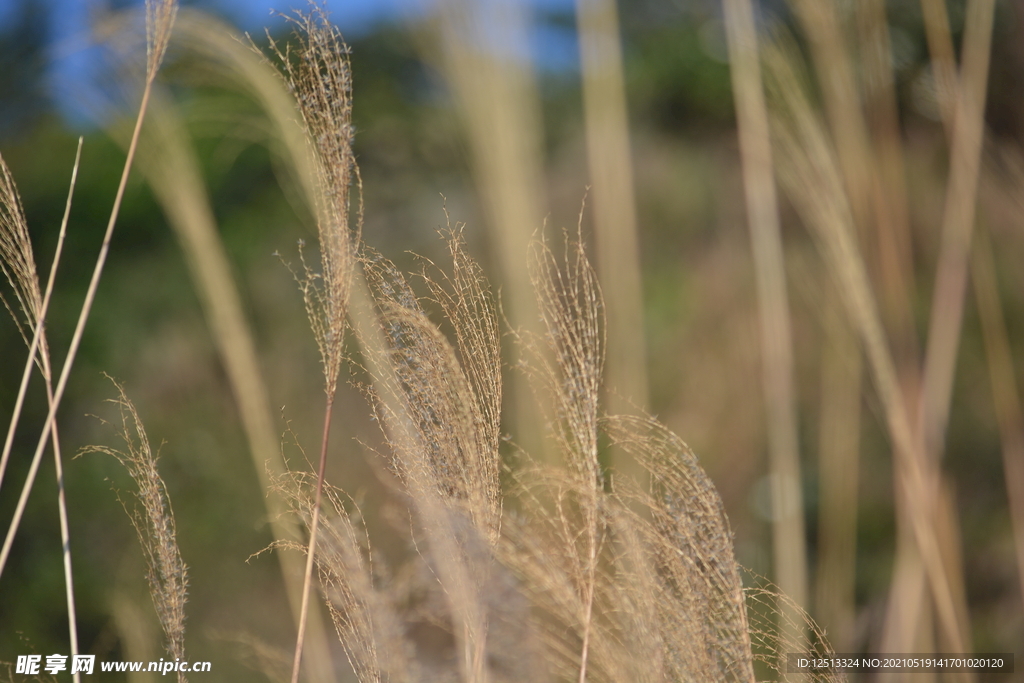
{"points": [[558, 572], [561, 572]]}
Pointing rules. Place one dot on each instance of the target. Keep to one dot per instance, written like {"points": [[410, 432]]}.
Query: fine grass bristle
{"points": [[160, 15], [777, 363], [16, 259], [153, 519]]}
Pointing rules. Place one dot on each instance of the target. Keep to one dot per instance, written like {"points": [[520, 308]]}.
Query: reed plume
{"points": [[440, 415], [153, 519], [317, 73]]}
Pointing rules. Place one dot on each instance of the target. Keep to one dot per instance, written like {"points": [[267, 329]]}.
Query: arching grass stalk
{"points": [[317, 73]]}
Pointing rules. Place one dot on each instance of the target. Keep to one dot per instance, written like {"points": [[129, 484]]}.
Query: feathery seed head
{"points": [[318, 75], [16, 258], [153, 519], [160, 16]]}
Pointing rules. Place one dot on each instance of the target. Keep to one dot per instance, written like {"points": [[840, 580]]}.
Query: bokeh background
{"points": [[695, 357]]}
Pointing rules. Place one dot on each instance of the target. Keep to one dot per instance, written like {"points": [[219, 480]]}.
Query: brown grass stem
{"points": [[62, 507], [890, 239], [943, 58], [811, 176], [789, 551], [830, 51]]}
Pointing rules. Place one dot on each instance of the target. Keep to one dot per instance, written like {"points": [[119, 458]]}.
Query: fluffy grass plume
{"points": [[153, 519], [318, 74]]}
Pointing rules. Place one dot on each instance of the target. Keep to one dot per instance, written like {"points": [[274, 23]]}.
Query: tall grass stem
{"points": [[616, 242], [789, 550]]}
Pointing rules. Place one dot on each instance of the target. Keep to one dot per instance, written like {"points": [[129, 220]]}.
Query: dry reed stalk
{"points": [[483, 57], [966, 132], [1005, 396], [789, 551], [947, 524], [822, 25], [154, 525], [838, 456], [18, 264], [159, 20], [320, 79], [810, 174], [891, 237], [615, 230], [943, 58], [957, 226]]}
